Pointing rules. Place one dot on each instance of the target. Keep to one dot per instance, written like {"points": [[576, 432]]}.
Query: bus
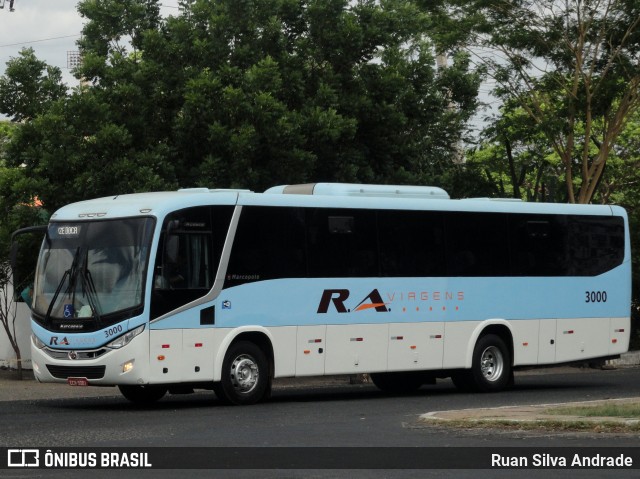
{"points": [[227, 290]]}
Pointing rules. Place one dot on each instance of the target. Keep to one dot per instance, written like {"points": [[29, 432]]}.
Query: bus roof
{"points": [[359, 190], [334, 196]]}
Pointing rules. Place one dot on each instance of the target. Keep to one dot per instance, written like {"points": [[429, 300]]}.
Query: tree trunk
{"points": [[19, 364]]}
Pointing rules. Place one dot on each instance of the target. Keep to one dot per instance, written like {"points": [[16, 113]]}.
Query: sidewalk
{"points": [[632, 358], [28, 389]]}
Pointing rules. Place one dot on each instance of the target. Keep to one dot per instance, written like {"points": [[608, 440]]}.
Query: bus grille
{"points": [[64, 372], [64, 354]]}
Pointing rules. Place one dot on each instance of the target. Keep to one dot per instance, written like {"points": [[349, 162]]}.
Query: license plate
{"points": [[77, 381]]}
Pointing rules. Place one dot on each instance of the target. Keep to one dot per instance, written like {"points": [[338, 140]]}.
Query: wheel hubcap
{"points": [[491, 363], [244, 374]]}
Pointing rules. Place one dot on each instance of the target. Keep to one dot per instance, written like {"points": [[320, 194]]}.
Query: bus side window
{"points": [[342, 243], [269, 244], [411, 243], [538, 245], [477, 244], [188, 254], [596, 244]]}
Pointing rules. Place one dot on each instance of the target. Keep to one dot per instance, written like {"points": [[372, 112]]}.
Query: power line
{"points": [[64, 36], [56, 38], [38, 41]]}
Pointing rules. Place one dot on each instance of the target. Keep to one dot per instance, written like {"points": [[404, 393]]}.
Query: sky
{"points": [[50, 27]]}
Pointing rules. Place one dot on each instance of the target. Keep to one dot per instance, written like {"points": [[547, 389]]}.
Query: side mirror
{"points": [[22, 259]]}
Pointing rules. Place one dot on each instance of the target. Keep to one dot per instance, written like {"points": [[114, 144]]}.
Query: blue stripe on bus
{"points": [[84, 341], [296, 302]]}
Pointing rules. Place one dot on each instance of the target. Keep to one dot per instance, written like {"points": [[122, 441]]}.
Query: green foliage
{"points": [[16, 199], [326, 92], [29, 86], [625, 410], [620, 185], [111, 21], [6, 133], [573, 67], [248, 94], [515, 157], [536, 164]]}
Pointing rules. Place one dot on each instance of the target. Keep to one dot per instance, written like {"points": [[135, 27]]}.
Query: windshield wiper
{"points": [[89, 289], [71, 273]]}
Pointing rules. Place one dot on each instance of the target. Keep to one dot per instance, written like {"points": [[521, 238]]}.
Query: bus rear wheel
{"points": [[245, 375], [491, 367], [147, 394]]}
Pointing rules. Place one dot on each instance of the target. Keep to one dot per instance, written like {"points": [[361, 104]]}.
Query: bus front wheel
{"points": [[245, 375]]}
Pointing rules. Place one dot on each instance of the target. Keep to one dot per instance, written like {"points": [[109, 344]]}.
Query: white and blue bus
{"points": [[227, 290]]}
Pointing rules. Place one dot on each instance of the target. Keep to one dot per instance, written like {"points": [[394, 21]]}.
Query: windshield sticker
{"points": [[69, 231], [69, 311]]}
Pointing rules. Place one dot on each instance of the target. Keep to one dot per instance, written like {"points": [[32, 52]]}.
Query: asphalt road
{"points": [[311, 415]]}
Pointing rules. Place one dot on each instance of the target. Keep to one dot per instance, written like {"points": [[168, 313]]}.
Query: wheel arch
{"points": [[258, 335], [500, 328]]}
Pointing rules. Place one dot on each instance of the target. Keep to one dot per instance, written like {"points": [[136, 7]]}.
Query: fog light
{"points": [[128, 366]]}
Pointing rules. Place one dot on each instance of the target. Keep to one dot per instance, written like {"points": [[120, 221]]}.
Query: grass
{"points": [[546, 425], [626, 410], [608, 414]]}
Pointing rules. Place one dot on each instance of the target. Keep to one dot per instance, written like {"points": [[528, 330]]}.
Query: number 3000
{"points": [[595, 297]]}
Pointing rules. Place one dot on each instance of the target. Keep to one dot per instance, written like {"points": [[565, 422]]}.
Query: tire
{"points": [[246, 377], [148, 394], [400, 382], [491, 366]]}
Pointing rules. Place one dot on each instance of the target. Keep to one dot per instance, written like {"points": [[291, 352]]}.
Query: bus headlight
{"points": [[36, 342], [125, 338]]}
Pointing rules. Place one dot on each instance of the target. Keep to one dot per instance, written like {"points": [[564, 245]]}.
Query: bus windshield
{"points": [[92, 274]]}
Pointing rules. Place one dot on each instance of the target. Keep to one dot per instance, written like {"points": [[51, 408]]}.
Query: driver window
{"points": [[185, 264]]}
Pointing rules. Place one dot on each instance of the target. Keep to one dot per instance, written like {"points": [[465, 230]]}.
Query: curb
{"points": [[532, 414]]}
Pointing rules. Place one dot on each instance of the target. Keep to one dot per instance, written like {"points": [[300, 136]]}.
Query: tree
{"points": [[530, 150], [574, 68], [6, 132], [8, 312], [29, 86], [14, 213], [619, 185], [248, 94], [516, 158]]}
